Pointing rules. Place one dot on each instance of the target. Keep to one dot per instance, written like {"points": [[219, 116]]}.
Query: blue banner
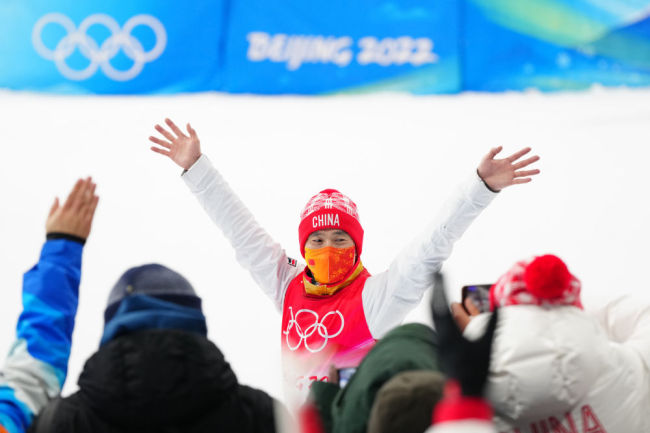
{"points": [[317, 47], [555, 44], [298, 46], [142, 46]]}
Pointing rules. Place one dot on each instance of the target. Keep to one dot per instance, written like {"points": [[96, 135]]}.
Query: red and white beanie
{"points": [[329, 209], [542, 280]]}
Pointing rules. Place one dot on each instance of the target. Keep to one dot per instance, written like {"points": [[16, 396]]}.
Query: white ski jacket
{"points": [[563, 370], [388, 296]]}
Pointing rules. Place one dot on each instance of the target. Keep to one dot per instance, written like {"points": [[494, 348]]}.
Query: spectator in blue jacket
{"points": [[36, 367]]}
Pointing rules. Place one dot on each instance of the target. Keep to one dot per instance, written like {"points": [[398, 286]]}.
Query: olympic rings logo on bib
{"points": [[310, 331], [99, 55]]}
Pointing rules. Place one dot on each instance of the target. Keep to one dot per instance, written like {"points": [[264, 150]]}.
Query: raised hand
{"points": [[184, 150], [75, 217], [500, 173], [464, 361]]}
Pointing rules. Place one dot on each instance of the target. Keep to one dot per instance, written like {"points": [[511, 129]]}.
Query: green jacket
{"points": [[408, 347]]}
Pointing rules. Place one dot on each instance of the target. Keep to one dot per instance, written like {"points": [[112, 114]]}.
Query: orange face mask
{"points": [[330, 265]]}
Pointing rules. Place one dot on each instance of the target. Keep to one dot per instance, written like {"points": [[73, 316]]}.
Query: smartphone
{"points": [[479, 294], [345, 374]]}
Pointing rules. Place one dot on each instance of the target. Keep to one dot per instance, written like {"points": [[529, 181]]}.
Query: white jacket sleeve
{"points": [[626, 320], [389, 296], [255, 250]]}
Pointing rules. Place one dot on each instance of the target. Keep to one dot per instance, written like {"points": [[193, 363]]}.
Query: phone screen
{"points": [[344, 375], [479, 294]]}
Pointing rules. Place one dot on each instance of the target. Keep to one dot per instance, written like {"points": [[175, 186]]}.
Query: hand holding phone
{"points": [[462, 360], [479, 294]]}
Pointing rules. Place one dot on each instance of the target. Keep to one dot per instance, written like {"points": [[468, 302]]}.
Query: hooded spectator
{"points": [[155, 369]]}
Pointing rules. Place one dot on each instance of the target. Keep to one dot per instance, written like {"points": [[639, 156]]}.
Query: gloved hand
{"points": [[466, 362]]}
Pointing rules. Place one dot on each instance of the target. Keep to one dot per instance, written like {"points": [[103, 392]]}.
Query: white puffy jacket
{"points": [[562, 370]]}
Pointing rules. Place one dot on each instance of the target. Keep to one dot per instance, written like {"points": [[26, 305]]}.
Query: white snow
{"points": [[397, 156]]}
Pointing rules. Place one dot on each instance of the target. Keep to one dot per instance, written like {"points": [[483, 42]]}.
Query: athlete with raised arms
{"points": [[333, 310]]}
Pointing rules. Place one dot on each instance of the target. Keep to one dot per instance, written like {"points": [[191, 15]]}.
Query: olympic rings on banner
{"points": [[99, 55]]}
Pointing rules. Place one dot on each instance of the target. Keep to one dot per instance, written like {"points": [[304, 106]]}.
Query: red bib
{"points": [[318, 331]]}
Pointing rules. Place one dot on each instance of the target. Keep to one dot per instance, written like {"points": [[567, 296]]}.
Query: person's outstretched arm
{"points": [[389, 296], [256, 251], [463, 408], [37, 364]]}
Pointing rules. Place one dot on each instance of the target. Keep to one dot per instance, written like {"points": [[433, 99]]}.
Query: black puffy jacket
{"points": [[162, 381]]}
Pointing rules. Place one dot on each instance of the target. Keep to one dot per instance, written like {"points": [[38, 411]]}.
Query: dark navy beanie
{"points": [[153, 280]]}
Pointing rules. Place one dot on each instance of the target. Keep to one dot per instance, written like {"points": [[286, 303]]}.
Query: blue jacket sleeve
{"points": [[37, 364]]}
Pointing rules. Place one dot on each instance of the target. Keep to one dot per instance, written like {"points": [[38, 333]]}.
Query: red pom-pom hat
{"points": [[330, 209], [541, 280], [547, 277]]}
